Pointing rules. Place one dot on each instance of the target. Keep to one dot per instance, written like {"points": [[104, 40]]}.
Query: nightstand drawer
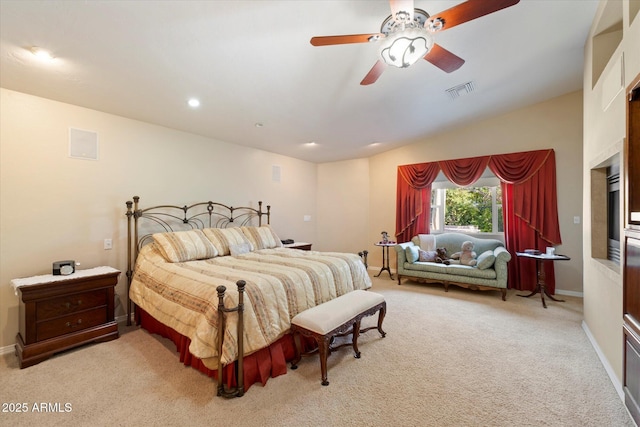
{"points": [[72, 323], [70, 304], [62, 312]]}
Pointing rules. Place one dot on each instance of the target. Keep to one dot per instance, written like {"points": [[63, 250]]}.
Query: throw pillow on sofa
{"points": [[486, 260], [412, 253]]}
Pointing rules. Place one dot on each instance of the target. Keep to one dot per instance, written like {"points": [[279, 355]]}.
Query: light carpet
{"points": [[457, 358]]}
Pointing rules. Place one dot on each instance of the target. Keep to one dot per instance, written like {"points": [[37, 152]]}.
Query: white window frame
{"points": [[437, 208]]}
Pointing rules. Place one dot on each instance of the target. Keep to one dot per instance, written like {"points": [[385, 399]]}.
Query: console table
{"points": [[540, 286], [61, 312], [385, 257]]}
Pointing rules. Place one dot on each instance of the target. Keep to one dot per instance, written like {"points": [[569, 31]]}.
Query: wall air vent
{"points": [[460, 90]]}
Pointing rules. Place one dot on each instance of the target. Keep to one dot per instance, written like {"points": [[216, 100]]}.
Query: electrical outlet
{"points": [[576, 220], [307, 218], [108, 244]]}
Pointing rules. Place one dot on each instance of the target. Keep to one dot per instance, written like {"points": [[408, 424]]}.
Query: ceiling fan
{"points": [[407, 35]]}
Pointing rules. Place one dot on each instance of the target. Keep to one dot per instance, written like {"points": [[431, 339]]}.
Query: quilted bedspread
{"points": [[280, 284]]}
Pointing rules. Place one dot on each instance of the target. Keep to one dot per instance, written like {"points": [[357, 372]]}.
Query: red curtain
{"points": [[529, 198], [413, 199]]}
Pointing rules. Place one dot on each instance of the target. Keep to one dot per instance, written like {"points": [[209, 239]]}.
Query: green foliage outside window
{"points": [[472, 207]]}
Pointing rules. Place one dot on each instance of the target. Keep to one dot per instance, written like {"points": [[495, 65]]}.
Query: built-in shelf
{"points": [[634, 10], [607, 38]]}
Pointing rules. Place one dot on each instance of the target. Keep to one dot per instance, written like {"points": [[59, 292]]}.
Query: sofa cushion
{"points": [[412, 254], [452, 270], [486, 260], [430, 267], [468, 271]]}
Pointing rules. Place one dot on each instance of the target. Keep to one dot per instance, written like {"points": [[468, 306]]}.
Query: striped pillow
{"points": [[223, 238], [262, 237], [182, 246]]}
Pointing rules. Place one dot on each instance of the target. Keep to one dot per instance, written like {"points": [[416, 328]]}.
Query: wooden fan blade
{"points": [[374, 73], [469, 10], [353, 38], [443, 59], [401, 6]]}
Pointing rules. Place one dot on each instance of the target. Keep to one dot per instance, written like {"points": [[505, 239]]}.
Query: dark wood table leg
{"points": [[385, 262], [540, 286]]}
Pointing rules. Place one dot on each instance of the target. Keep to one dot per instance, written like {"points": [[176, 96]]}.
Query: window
{"points": [[475, 209]]}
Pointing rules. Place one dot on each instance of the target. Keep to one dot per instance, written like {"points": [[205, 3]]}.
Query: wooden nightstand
{"points": [[61, 312], [299, 245]]}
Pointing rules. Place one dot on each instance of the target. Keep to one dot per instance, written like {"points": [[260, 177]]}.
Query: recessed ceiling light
{"points": [[41, 54], [374, 144], [193, 103], [259, 125]]}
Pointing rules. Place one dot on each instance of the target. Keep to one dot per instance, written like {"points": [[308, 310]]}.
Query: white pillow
{"points": [[412, 253], [239, 249], [486, 260]]}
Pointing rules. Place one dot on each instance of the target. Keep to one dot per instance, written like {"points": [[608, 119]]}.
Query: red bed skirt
{"points": [[258, 366]]}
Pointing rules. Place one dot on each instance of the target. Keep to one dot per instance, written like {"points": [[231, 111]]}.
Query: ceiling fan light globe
{"points": [[404, 48]]}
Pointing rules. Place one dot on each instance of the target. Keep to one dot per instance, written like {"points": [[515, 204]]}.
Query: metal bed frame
{"points": [[143, 223]]}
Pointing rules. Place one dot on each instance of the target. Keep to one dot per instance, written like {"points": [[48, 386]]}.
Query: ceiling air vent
{"points": [[460, 90]]}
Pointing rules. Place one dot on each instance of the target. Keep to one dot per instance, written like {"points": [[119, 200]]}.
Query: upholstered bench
{"points": [[336, 318]]}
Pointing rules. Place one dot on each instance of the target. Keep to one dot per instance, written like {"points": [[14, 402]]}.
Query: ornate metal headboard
{"points": [[143, 223]]}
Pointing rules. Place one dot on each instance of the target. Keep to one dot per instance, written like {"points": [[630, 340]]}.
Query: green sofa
{"points": [[487, 275]]}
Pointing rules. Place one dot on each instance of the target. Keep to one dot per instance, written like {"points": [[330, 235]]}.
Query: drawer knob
{"points": [[71, 325], [68, 304]]}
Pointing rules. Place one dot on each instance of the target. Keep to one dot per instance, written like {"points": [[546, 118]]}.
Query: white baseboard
{"points": [[6, 350], [605, 363], [123, 319], [570, 293]]}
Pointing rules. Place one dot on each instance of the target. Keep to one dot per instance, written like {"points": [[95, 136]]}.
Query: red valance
{"points": [[464, 172]]}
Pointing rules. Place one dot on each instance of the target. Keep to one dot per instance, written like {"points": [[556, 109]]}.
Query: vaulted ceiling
{"points": [[262, 84]]}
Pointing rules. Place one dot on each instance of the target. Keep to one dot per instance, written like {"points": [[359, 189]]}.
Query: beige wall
{"points": [[556, 124], [604, 134], [343, 198], [53, 207]]}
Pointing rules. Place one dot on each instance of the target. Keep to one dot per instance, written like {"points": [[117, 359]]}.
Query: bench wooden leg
{"points": [[356, 334], [381, 314], [323, 347], [325, 341]]}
